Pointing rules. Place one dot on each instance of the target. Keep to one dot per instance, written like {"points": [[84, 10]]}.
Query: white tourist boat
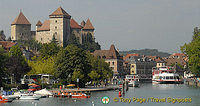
{"points": [[165, 75]]}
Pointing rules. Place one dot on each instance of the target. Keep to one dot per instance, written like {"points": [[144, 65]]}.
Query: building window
{"points": [[113, 63], [132, 66], [55, 27], [55, 33], [41, 39], [109, 63], [56, 21]]}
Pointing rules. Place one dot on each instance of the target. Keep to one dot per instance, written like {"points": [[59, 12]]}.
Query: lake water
{"points": [[146, 91]]}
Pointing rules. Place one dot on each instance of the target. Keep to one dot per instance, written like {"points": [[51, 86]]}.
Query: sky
{"points": [[128, 24]]}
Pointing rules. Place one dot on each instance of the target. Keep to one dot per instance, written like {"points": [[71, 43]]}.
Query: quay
{"points": [[85, 89], [193, 82]]}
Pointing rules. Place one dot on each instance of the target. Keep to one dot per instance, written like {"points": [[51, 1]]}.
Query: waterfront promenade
{"points": [[87, 89]]}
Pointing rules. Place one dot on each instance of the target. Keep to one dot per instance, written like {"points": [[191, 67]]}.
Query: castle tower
{"points": [[60, 25], [20, 28], [76, 29], [38, 25], [87, 29]]}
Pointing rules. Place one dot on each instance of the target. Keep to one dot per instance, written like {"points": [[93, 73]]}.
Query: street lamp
{"points": [[77, 83]]}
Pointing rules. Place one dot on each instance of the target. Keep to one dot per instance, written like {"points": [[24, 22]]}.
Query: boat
{"points": [[11, 96], [4, 100], [133, 80], [44, 93], [133, 83], [30, 97], [79, 95], [165, 75]]}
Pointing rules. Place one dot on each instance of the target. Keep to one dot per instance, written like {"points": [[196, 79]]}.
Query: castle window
{"points": [[113, 63], [55, 27]]}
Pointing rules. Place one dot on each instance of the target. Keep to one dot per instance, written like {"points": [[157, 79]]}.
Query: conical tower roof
{"points": [[21, 19], [39, 23], [88, 25], [60, 11], [74, 24]]}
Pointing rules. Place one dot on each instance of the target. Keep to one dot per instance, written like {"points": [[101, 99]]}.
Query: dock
{"points": [[90, 89]]}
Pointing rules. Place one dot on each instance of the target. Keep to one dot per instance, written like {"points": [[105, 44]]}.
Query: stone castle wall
{"points": [[43, 36], [20, 32]]}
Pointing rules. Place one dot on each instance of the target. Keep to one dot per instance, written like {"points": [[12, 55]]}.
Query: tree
{"points": [[100, 69], [71, 63], [89, 43], [2, 36], [49, 49], [31, 44], [16, 64], [54, 40], [192, 50], [73, 40], [9, 39], [3, 58], [42, 66]]}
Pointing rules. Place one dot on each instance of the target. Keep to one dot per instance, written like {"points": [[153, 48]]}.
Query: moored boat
{"points": [[30, 97], [4, 100], [133, 80], [165, 75], [133, 83], [79, 95], [11, 97]]}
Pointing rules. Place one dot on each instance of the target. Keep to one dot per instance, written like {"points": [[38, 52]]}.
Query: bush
{"points": [[56, 85]]}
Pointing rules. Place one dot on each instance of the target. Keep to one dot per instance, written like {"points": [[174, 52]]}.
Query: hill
{"points": [[147, 52]]}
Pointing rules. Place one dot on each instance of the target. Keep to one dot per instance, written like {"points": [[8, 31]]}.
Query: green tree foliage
{"points": [[192, 50], [2, 36], [16, 64], [100, 69], [72, 63], [89, 43], [31, 44], [49, 49], [42, 66], [3, 58], [73, 40]]}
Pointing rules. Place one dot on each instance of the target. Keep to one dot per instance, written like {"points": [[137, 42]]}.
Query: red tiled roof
{"points": [[108, 54], [129, 55], [21, 19], [178, 54], [171, 61], [88, 25], [74, 24], [39, 23], [7, 44], [60, 11], [45, 26]]}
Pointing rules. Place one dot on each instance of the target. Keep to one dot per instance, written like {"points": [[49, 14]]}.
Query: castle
{"points": [[59, 25]]}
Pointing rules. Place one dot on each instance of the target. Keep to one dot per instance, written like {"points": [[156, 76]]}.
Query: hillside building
{"points": [[60, 25]]}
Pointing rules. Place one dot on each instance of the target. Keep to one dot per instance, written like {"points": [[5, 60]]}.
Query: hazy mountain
{"points": [[147, 52]]}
